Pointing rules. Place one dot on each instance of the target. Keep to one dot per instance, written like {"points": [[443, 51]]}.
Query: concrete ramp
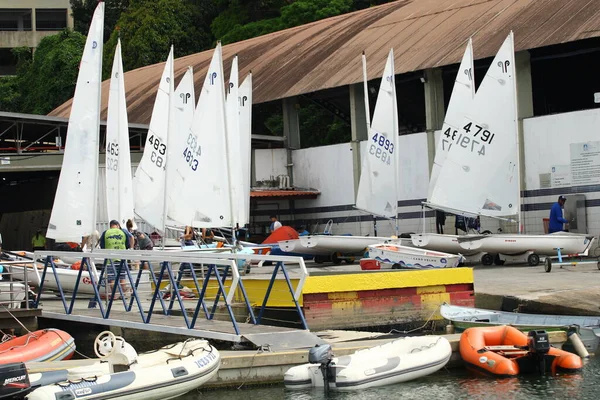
{"points": [[284, 340]]}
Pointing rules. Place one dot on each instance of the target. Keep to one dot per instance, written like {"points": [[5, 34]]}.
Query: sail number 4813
{"points": [[192, 152], [381, 148]]}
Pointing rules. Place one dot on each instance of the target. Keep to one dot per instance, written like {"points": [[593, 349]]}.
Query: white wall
{"points": [[547, 140], [270, 163]]}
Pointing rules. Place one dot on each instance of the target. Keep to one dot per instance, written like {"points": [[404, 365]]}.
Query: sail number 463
{"points": [[192, 152], [112, 152], [381, 148]]}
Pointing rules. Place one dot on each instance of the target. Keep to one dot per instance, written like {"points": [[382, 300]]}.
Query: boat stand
{"points": [[567, 261]]}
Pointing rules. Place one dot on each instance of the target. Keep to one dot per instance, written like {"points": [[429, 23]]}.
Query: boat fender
{"points": [[577, 343]]}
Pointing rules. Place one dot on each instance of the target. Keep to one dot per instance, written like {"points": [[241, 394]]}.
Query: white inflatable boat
{"points": [[413, 258], [442, 242], [120, 374], [398, 361]]}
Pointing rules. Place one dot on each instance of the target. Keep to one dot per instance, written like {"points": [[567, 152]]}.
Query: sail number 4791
{"points": [[192, 152], [476, 143], [382, 148]]}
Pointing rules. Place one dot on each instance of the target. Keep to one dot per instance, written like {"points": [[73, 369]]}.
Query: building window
{"points": [[50, 19], [15, 19]]}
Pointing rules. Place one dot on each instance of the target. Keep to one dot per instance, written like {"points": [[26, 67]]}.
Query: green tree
{"points": [[149, 27], [49, 79], [83, 10]]}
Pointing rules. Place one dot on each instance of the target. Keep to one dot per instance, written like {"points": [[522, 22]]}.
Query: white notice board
{"points": [[585, 163]]}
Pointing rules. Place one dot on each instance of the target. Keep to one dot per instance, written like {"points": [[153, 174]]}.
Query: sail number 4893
{"points": [[192, 152], [381, 148]]}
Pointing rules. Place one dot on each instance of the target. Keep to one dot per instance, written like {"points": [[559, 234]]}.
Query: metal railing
{"points": [[220, 269]]}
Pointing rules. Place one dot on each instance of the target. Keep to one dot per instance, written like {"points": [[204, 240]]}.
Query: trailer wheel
{"points": [[598, 264], [533, 259], [487, 259], [319, 259], [350, 260], [548, 264], [396, 266], [335, 258]]}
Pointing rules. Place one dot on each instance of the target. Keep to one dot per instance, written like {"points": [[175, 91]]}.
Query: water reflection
{"points": [[446, 384]]}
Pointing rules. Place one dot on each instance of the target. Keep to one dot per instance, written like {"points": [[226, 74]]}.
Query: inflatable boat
{"points": [[506, 351], [398, 361], [120, 374], [42, 345], [411, 257]]}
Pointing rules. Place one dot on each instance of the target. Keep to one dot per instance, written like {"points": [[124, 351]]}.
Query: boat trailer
{"points": [[571, 260]]}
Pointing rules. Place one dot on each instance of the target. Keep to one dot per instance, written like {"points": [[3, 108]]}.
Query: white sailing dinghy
{"points": [[245, 121], [461, 99], [207, 195], [484, 163], [149, 179], [74, 210], [378, 186], [119, 184], [377, 192]]}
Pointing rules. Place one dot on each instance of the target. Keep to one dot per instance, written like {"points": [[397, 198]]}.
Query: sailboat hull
{"points": [[515, 244], [439, 242], [410, 257], [330, 244]]}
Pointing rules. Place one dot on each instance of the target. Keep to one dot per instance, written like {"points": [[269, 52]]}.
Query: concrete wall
{"points": [[329, 169], [11, 39]]}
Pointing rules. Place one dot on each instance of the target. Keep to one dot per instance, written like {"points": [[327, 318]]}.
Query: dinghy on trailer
{"points": [[461, 99], [397, 361], [403, 257], [483, 160]]}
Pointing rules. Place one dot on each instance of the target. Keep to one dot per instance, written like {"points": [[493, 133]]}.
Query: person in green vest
{"points": [[38, 242], [115, 239]]}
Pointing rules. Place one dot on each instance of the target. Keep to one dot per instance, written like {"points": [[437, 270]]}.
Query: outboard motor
{"points": [[14, 381], [538, 345], [322, 354]]}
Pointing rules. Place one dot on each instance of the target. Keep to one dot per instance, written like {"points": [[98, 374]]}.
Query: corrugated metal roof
{"points": [[326, 54]]}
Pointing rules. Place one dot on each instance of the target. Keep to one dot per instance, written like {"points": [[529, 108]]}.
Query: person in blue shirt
{"points": [[557, 220], [302, 231]]}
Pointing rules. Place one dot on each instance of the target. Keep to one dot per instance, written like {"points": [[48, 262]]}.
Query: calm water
{"points": [[446, 384]]}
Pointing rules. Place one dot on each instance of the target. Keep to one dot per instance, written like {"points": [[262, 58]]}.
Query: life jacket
{"points": [[115, 239]]}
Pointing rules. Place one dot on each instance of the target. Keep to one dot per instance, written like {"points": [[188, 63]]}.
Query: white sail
{"points": [[234, 149], [460, 101], [480, 175], [119, 193], [74, 209], [200, 170], [149, 179], [378, 187], [183, 107], [245, 102]]}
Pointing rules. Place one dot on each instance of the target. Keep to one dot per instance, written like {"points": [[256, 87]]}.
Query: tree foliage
{"points": [[150, 27], [48, 80], [297, 13], [83, 10]]}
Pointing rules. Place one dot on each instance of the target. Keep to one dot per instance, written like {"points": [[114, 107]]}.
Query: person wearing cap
{"points": [[557, 220]]}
